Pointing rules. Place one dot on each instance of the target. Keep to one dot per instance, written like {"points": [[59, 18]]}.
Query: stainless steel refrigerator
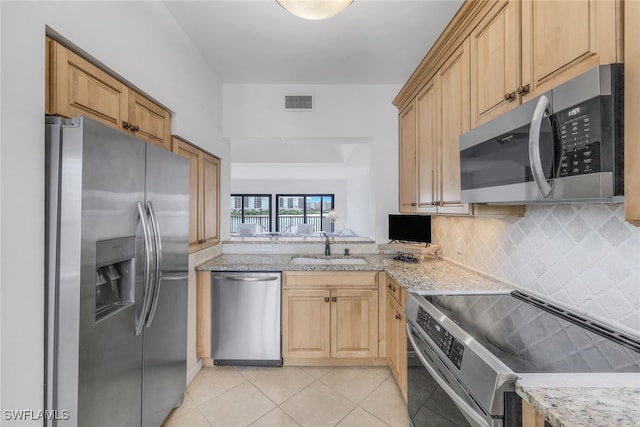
{"points": [[116, 277]]}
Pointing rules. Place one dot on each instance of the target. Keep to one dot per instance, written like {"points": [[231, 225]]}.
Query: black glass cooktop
{"points": [[530, 335]]}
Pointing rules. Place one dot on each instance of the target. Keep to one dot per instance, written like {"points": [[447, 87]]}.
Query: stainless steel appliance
{"points": [[564, 146], [476, 346], [246, 318], [116, 276]]}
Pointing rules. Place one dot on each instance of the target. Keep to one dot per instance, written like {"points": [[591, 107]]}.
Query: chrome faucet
{"points": [[327, 244]]}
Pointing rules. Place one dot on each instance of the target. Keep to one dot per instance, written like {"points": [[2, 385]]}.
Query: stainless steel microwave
{"points": [[565, 146]]}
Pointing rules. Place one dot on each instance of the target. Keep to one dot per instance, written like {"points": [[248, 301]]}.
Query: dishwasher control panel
{"points": [[450, 346]]}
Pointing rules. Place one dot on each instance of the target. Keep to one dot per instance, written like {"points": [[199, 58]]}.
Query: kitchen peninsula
{"points": [[559, 406]]}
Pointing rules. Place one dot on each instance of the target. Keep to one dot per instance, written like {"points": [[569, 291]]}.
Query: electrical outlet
{"points": [[459, 245], [267, 248]]}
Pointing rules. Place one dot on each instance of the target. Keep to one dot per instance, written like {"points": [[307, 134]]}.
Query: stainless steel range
{"points": [[476, 346]]}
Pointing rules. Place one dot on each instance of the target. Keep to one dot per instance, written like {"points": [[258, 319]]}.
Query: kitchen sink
{"points": [[320, 260]]}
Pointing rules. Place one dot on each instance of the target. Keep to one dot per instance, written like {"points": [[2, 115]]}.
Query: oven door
{"points": [[434, 393]]}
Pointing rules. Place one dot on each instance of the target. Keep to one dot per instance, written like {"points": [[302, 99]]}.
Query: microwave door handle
{"points": [[535, 161], [148, 254], [461, 404], [158, 263]]}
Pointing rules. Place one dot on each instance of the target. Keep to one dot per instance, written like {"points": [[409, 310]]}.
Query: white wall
{"points": [[363, 112], [140, 41]]}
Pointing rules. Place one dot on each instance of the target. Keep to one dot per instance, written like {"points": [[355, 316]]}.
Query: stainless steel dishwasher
{"points": [[246, 318]]}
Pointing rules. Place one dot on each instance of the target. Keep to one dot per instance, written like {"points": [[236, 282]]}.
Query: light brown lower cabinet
{"points": [[397, 334], [531, 418], [329, 318]]}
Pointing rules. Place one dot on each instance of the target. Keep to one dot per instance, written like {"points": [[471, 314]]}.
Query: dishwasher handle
{"points": [[248, 278]]}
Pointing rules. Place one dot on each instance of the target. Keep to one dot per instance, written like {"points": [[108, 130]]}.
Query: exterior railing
{"points": [[284, 221]]}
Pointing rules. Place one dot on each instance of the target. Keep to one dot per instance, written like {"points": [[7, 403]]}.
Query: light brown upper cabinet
{"points": [[522, 48], [442, 115], [148, 121], [427, 128], [453, 98], [204, 195], [561, 39], [494, 63], [76, 86], [407, 160]]}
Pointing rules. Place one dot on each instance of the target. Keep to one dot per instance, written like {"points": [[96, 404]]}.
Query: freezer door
{"points": [[95, 357], [165, 334]]}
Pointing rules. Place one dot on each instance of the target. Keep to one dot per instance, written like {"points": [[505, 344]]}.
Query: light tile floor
{"points": [[228, 396]]}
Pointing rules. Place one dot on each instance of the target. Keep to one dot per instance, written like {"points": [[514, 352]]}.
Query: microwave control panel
{"points": [[450, 346], [580, 139]]}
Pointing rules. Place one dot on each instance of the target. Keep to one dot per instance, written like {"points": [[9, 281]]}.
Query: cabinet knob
{"points": [[326, 299], [135, 128], [414, 204], [510, 96], [126, 125], [389, 286], [523, 90], [398, 317], [334, 299]]}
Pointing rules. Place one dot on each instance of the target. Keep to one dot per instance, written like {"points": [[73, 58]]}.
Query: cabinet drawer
{"points": [[330, 279], [395, 291]]}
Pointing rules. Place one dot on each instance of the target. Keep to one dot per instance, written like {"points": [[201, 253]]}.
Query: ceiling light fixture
{"points": [[314, 9]]}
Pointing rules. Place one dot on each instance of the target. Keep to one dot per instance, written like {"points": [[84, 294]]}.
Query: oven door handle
{"points": [[461, 404], [535, 160]]}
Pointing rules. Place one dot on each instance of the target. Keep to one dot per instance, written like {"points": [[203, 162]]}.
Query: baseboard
{"points": [[194, 371], [304, 361]]}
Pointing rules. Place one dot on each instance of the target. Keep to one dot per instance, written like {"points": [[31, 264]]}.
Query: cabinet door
{"points": [[407, 160], [193, 155], [148, 121], [397, 344], [494, 63], [454, 120], [354, 323], [563, 38], [305, 323], [77, 87], [210, 197], [427, 123]]}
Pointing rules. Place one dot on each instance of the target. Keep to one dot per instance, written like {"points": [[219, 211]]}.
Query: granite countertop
{"points": [[432, 274], [585, 406], [561, 406]]}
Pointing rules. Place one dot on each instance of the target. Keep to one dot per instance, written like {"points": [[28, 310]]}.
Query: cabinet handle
{"points": [[334, 299], [389, 286], [326, 299], [414, 204], [523, 90], [135, 128], [510, 96], [126, 125], [398, 317]]}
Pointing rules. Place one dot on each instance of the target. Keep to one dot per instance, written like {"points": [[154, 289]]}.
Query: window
{"points": [[250, 209], [303, 208]]}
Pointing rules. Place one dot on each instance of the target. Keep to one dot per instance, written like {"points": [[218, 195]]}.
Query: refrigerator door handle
{"points": [[148, 254], [158, 264]]}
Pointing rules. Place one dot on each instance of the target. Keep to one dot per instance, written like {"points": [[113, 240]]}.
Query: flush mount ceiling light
{"points": [[314, 9]]}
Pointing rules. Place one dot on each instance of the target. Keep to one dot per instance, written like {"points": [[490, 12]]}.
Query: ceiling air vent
{"points": [[298, 103]]}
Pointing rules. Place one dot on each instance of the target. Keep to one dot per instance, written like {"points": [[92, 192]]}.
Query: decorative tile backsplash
{"points": [[585, 257]]}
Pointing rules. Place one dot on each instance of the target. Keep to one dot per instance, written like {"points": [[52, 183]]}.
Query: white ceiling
{"points": [[257, 41]]}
